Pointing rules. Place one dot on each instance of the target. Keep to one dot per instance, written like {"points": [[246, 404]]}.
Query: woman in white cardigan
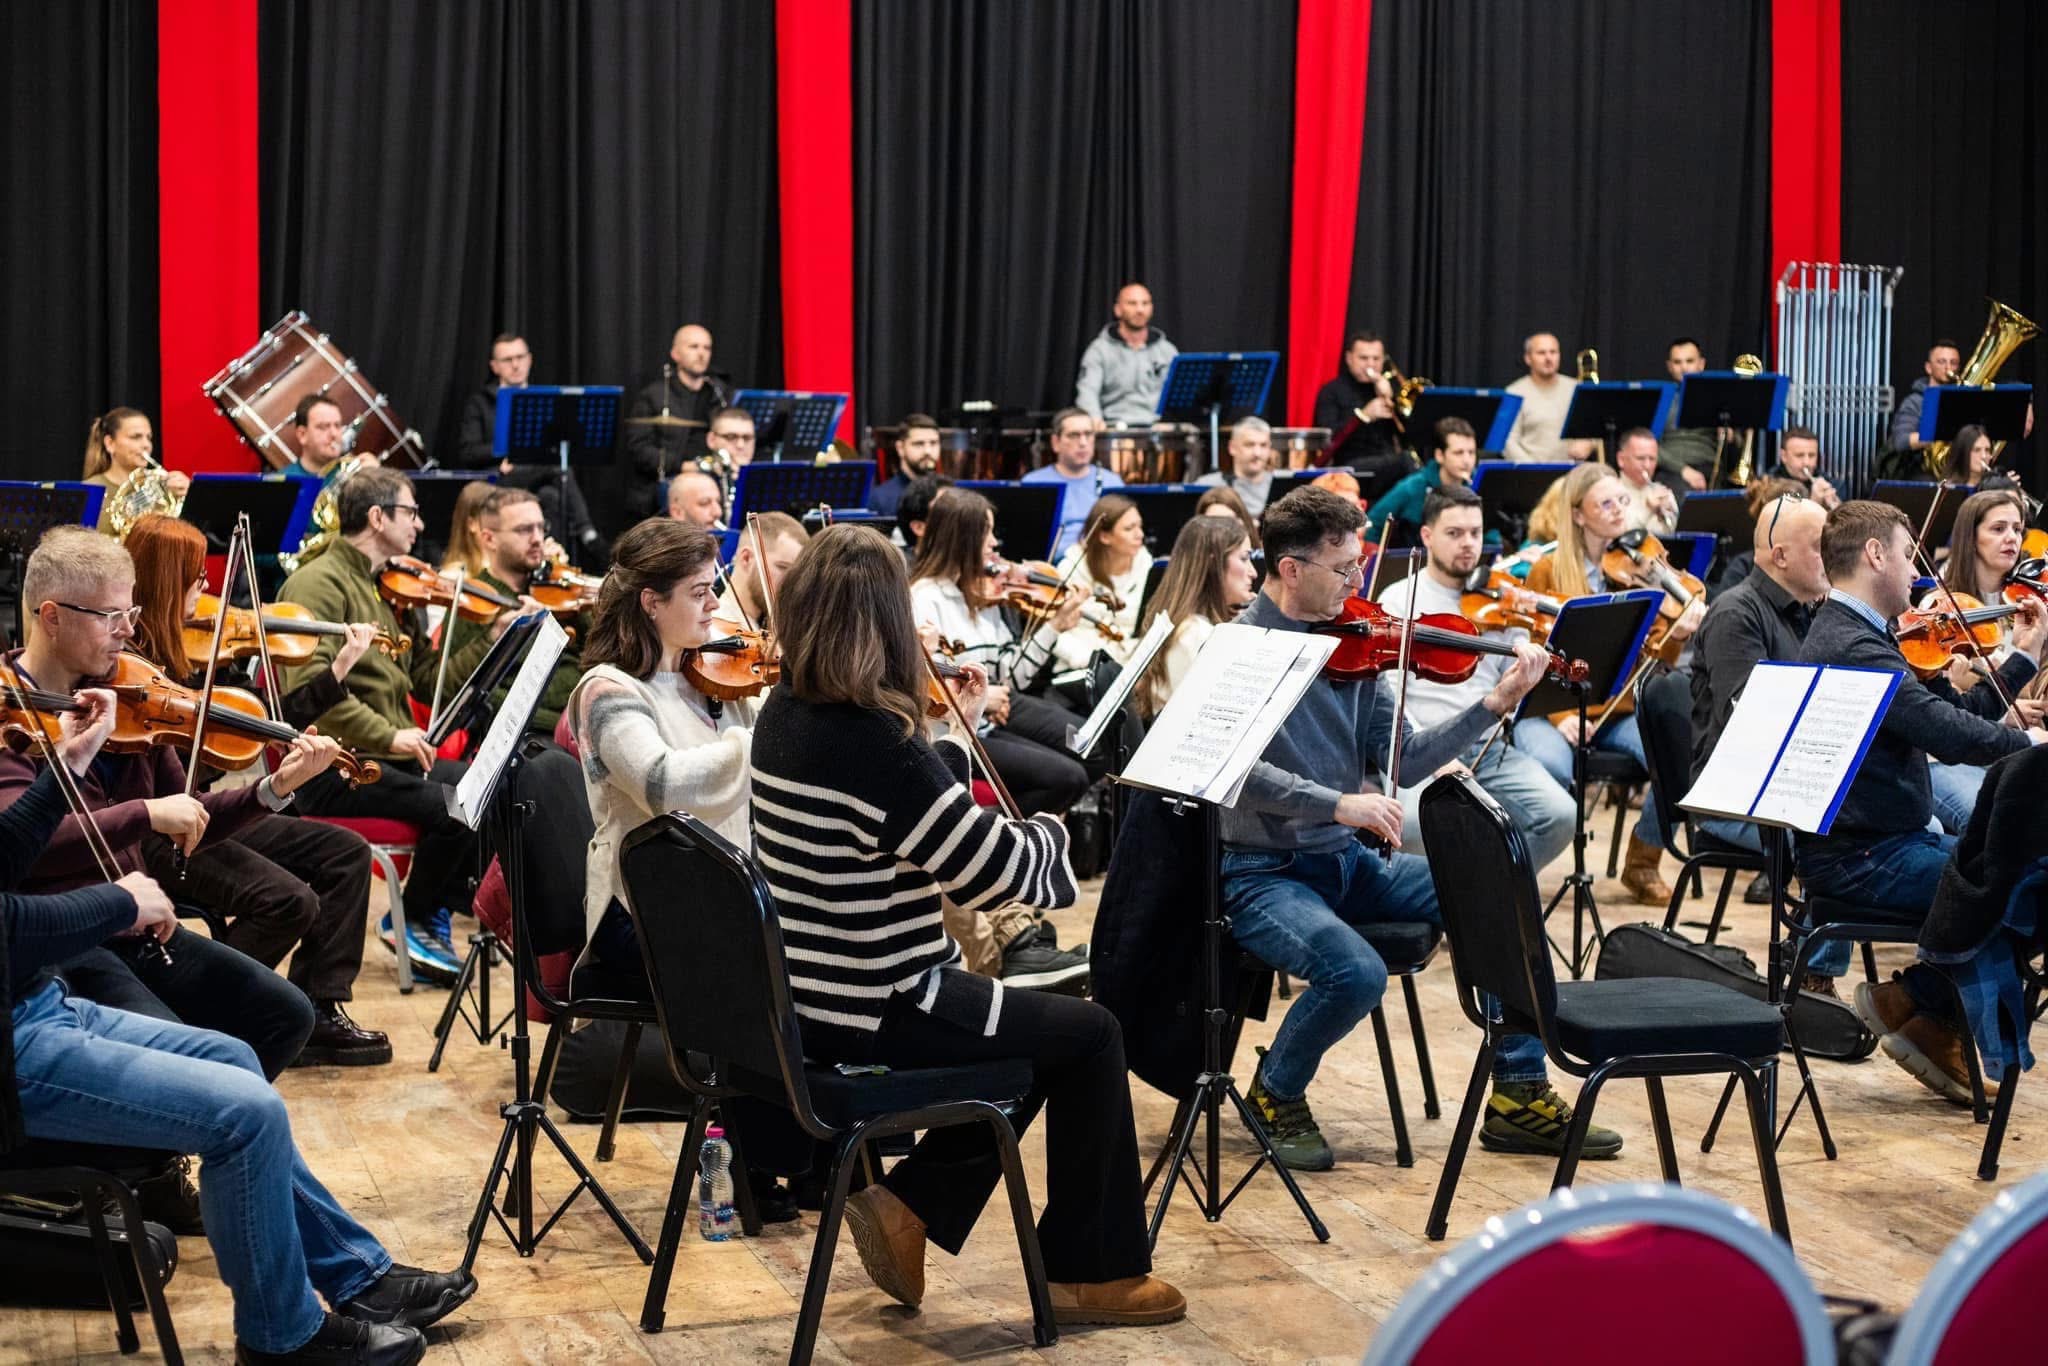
{"points": [[650, 741], [1111, 554], [1209, 578]]}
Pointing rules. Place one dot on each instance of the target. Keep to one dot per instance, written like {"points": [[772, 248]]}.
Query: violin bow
{"points": [[447, 630], [975, 748], [1401, 689], [761, 568], [238, 545], [1970, 645]]}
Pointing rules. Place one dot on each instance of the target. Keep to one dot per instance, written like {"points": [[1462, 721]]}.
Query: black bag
{"points": [[48, 1262], [1827, 1028]]}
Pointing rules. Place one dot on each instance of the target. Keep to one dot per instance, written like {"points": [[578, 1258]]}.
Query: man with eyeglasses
{"points": [[380, 517], [561, 497], [1297, 883], [1073, 468], [513, 537]]}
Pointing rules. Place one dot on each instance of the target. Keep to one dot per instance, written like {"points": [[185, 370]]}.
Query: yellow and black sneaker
{"points": [[1296, 1140], [1533, 1118]]}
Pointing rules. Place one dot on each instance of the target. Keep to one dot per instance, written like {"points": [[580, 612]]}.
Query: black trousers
{"points": [[1030, 752], [1093, 1227], [283, 883], [207, 986], [444, 864]]}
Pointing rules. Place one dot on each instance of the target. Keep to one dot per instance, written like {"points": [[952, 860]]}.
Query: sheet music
{"points": [[1221, 717], [1111, 705], [1792, 744], [473, 791]]}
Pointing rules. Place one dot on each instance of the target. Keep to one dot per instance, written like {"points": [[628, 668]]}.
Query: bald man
{"points": [[694, 497], [688, 388], [1124, 367], [1763, 617], [1546, 397]]}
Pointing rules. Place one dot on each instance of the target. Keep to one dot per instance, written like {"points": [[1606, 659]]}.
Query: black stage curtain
{"points": [[1596, 170], [1945, 173], [590, 175], [80, 261], [1014, 164]]}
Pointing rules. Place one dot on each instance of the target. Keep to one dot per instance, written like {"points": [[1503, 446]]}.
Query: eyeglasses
{"points": [[1778, 506], [111, 616], [1356, 569], [393, 509], [1612, 506]]}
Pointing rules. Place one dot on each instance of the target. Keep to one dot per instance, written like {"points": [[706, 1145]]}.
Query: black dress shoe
{"points": [[773, 1201], [338, 1041], [409, 1296], [169, 1197], [345, 1342]]}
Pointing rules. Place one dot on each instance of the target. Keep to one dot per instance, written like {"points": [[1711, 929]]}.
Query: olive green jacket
{"points": [[562, 682]]}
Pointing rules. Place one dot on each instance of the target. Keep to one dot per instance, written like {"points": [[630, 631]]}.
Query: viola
{"points": [[562, 590], [741, 663], [1036, 589], [1636, 559], [1444, 647], [1501, 603], [1930, 637], [151, 710], [407, 582], [294, 633]]}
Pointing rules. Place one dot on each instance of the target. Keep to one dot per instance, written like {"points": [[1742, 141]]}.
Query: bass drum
{"points": [[1146, 455], [964, 452], [1301, 448], [259, 393]]}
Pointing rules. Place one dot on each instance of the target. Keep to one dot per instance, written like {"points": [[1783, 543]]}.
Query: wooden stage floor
{"points": [[406, 1150]]}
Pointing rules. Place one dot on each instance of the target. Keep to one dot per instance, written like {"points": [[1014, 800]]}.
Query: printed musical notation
{"points": [[1791, 747]]}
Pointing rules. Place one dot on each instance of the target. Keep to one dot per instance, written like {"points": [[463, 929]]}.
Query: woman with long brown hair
{"points": [[118, 443], [864, 828], [1983, 547], [1110, 554], [1208, 580], [280, 883]]}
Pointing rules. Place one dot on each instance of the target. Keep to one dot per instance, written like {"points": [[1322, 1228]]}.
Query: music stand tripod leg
{"points": [[1578, 882]]}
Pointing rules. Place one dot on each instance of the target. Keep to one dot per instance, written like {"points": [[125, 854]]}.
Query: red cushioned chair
{"points": [[1979, 1303], [391, 848], [1638, 1272]]}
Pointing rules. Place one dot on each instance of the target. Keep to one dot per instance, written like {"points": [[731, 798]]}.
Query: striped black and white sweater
{"points": [[859, 833]]}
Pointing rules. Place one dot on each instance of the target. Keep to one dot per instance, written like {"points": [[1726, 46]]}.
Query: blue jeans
{"points": [[1541, 741], [1539, 805], [1745, 833], [94, 1075], [1296, 910], [1955, 793], [1898, 872]]}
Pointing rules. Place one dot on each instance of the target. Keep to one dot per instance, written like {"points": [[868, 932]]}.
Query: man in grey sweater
{"points": [[1296, 880], [1124, 367]]}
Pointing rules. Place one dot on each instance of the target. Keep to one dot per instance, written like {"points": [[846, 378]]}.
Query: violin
{"points": [[937, 705], [562, 590], [1636, 559], [1930, 637], [1444, 648], [1036, 589], [293, 631], [152, 710], [1501, 603], [407, 582], [741, 663]]}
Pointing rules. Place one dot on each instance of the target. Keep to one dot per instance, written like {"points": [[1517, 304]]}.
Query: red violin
{"points": [[1444, 647]]}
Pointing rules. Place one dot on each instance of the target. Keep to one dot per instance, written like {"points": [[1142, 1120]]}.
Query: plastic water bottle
{"points": [[714, 1187]]}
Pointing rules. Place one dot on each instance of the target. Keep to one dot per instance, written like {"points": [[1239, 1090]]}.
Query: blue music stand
{"points": [[1692, 551], [1027, 515], [1491, 412], [1201, 384], [785, 419], [795, 488], [557, 424], [1604, 411], [29, 507], [2000, 409]]}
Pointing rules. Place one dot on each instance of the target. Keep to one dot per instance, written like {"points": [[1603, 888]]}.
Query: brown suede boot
{"points": [[1639, 874], [1932, 1050], [1131, 1301], [891, 1243]]}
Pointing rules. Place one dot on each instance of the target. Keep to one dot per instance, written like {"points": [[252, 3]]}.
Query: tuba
{"points": [[326, 516], [1588, 362], [1746, 366], [141, 493], [2005, 331]]}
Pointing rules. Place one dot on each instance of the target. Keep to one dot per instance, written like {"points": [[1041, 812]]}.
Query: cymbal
{"points": [[664, 420]]}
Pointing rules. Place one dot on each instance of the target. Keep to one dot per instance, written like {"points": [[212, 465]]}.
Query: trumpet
{"points": [[1746, 365]]}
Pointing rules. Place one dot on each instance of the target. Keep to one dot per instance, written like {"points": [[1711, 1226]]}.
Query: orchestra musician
{"points": [[695, 497], [1943, 364], [464, 549], [912, 511], [282, 885], [1209, 579], [1124, 367], [1546, 396], [1799, 460], [513, 537], [1111, 554], [561, 496], [1880, 852], [688, 389], [118, 443], [322, 434], [1251, 464], [1452, 528], [1972, 462], [1369, 444], [746, 598], [917, 455], [1598, 506], [1073, 468], [1653, 506], [851, 801], [1222, 502], [1453, 455], [1688, 454], [1296, 879], [88, 1072]]}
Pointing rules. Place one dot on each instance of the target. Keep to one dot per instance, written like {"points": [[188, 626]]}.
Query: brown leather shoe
{"points": [[1884, 1007], [1820, 984], [1128, 1302], [1639, 874], [1933, 1052], [891, 1243]]}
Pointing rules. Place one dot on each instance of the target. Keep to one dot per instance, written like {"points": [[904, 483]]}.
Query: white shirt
{"points": [[1431, 703], [1181, 648], [1075, 648]]}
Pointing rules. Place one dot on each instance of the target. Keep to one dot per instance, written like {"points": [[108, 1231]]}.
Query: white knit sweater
{"points": [[649, 747]]}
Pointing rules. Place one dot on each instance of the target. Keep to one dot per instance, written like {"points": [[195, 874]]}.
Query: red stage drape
{"points": [[814, 137], [206, 217], [1806, 132], [1332, 44]]}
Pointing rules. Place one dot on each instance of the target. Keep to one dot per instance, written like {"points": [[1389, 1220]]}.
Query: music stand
{"points": [[280, 509], [1603, 412], [785, 419], [557, 424], [1491, 412], [2000, 409], [1691, 551], [1916, 497], [1710, 400], [27, 510], [1164, 509], [1510, 491], [1153, 575], [1607, 632], [1027, 515], [1200, 385], [797, 488], [1722, 513]]}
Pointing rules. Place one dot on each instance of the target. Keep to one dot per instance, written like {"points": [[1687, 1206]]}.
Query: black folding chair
{"points": [[1664, 719], [721, 991], [1648, 1027], [1621, 776]]}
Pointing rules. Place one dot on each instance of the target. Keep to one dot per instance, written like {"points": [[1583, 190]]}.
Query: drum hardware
{"points": [[259, 392]]}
